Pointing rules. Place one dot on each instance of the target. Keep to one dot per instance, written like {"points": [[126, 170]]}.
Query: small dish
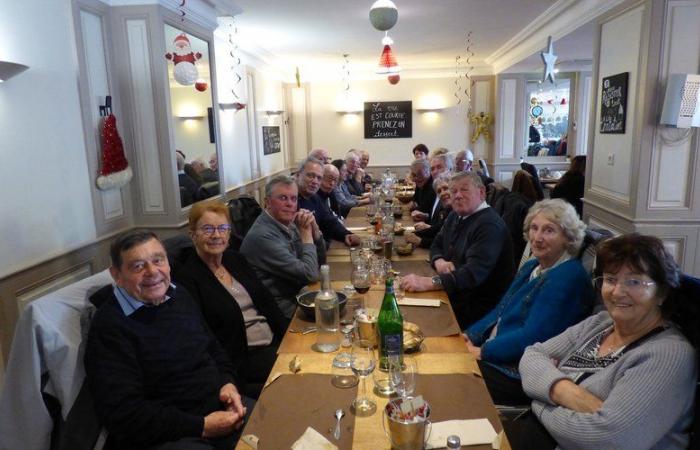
{"points": [[404, 250], [412, 337]]}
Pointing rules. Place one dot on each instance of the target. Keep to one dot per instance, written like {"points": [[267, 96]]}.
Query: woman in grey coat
{"points": [[624, 378]]}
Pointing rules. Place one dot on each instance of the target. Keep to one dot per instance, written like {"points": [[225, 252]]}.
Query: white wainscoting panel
{"points": [[145, 137], [508, 102], [299, 139], [673, 164], [98, 88]]}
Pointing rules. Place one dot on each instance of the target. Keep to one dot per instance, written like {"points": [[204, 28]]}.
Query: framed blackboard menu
{"points": [[613, 104], [271, 140], [388, 120]]}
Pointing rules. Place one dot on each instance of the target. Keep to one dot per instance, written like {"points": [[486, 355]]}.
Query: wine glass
{"points": [[362, 364], [402, 377], [360, 280]]}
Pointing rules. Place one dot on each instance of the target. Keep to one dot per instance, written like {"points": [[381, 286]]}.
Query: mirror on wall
{"points": [[547, 117], [192, 115]]}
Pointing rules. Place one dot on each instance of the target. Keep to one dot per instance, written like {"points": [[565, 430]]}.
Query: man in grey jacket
{"points": [[284, 246]]}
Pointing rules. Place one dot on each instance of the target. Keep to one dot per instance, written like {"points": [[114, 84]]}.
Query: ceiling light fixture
{"points": [[9, 70]]}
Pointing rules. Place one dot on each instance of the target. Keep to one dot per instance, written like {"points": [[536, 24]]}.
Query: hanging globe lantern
{"points": [[383, 15]]}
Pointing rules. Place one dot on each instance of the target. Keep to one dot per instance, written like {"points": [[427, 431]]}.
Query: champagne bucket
{"points": [[409, 435], [367, 330]]}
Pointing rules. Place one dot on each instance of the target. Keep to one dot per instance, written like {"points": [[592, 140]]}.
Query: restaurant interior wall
{"points": [[44, 177], [645, 179], [339, 132]]}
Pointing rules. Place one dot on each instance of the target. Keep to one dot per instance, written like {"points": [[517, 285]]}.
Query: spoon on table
{"points": [[339, 413]]}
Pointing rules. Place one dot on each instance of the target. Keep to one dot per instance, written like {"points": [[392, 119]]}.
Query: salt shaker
{"points": [[453, 442]]}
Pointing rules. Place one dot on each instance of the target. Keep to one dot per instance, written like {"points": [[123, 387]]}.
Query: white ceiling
{"points": [[313, 34]]}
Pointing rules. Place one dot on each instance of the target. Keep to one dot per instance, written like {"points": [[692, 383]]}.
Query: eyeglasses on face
{"points": [[630, 284], [285, 198], [209, 230]]}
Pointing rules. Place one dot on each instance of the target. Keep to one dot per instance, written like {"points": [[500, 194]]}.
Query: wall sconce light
{"points": [[273, 112], [9, 70], [350, 112], [427, 110], [190, 117]]}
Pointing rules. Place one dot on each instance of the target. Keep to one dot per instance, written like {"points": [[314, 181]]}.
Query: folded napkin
{"points": [[313, 440], [419, 302], [470, 432], [353, 229]]}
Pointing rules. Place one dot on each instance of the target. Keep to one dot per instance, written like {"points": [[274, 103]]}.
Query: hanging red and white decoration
{"points": [[115, 171], [185, 71]]}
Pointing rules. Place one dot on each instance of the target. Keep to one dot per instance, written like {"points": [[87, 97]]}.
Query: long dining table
{"points": [[447, 375]]}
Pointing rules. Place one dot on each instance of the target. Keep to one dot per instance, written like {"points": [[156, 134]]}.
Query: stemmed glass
{"points": [[362, 364], [360, 280], [402, 377]]}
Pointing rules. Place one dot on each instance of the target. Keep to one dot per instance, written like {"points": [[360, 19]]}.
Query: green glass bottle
{"points": [[390, 328]]}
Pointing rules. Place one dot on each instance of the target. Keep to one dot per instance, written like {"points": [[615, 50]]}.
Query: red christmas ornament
{"points": [[115, 171], [394, 79], [201, 85]]}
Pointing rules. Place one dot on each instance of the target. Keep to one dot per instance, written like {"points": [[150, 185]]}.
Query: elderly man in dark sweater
{"points": [[472, 253], [309, 179], [424, 196], [158, 377]]}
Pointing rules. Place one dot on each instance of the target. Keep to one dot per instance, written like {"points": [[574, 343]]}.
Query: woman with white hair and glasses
{"points": [[550, 292], [624, 378]]}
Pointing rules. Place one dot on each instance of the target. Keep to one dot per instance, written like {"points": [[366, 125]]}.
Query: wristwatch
{"points": [[436, 280]]}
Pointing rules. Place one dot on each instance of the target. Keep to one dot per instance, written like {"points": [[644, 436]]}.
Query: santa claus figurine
{"points": [[185, 72]]}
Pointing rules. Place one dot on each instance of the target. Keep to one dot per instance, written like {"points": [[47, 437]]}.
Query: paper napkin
{"points": [[470, 432]]}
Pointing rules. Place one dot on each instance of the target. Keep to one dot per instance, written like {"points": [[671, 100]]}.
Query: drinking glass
{"points": [[377, 271], [402, 377], [362, 364], [343, 376], [360, 280], [398, 290]]}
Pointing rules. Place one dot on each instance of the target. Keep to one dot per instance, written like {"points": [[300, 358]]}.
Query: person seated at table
{"points": [[185, 181], [341, 200], [625, 377], [238, 309], [364, 162], [159, 379], [513, 207], [420, 151], [424, 195], [353, 181], [321, 154], [425, 232], [570, 186], [550, 292], [284, 246], [472, 253], [309, 179], [464, 159], [441, 162]]}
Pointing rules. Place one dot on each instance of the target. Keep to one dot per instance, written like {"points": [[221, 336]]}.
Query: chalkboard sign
{"points": [[271, 140], [388, 120], [613, 104]]}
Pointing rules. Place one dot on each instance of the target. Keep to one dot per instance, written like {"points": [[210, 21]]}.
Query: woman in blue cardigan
{"points": [[551, 292]]}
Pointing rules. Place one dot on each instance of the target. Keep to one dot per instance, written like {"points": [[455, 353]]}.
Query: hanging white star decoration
{"points": [[549, 59]]}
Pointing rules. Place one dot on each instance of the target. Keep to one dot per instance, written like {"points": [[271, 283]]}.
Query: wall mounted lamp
{"points": [[427, 110], [9, 70], [273, 112], [350, 111], [190, 117]]}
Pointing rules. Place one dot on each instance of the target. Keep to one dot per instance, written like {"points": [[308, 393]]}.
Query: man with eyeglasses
{"points": [[158, 377], [284, 246], [309, 178]]}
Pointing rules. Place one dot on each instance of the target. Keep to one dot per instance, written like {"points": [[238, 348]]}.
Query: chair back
{"points": [[482, 166], [529, 168], [244, 211], [587, 252]]}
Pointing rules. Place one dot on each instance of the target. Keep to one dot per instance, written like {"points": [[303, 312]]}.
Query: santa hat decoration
{"points": [[115, 171]]}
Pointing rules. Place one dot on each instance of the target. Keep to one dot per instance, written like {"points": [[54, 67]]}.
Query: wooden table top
{"points": [[438, 355]]}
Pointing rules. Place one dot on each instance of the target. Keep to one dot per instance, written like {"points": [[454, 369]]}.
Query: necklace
{"points": [[220, 273]]}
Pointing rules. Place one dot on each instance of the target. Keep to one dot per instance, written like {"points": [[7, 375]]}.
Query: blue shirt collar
{"points": [[129, 304]]}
